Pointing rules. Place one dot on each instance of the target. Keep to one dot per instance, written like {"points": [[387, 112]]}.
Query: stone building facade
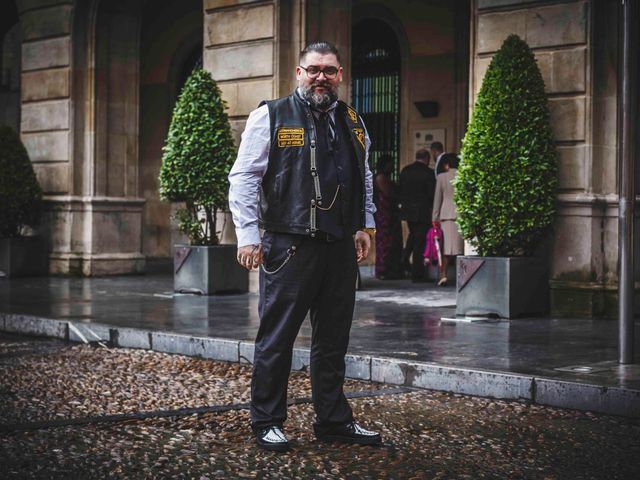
{"points": [[91, 84]]}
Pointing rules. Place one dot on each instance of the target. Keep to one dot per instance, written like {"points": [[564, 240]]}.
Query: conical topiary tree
{"points": [[506, 183], [197, 157], [20, 192]]}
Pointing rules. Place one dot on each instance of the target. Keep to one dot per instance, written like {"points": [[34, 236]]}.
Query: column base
{"points": [[89, 265], [94, 235]]}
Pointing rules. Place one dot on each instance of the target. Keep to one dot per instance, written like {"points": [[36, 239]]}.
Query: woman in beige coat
{"points": [[445, 213]]}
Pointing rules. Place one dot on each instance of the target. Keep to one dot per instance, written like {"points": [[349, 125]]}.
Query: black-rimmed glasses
{"points": [[314, 71]]}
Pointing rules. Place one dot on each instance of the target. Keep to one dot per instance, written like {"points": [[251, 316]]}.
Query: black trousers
{"points": [[416, 242], [320, 278]]}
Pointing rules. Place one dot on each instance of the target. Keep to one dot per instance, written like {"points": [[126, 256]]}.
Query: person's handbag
{"points": [[432, 251]]}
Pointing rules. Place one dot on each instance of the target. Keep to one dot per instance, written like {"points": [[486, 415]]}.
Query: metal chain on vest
{"points": [[316, 180]]}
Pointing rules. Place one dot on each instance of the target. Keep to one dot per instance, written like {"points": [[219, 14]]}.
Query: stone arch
{"points": [[434, 43], [375, 86], [371, 11], [365, 11], [186, 56]]}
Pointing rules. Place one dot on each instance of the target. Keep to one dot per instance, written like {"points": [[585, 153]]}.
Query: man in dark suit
{"points": [[437, 151], [417, 188]]}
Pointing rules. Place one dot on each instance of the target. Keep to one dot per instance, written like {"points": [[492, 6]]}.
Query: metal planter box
{"points": [[208, 270], [23, 256], [509, 287]]}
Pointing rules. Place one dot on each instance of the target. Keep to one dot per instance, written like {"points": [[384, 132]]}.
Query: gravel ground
{"points": [[46, 379], [426, 434]]}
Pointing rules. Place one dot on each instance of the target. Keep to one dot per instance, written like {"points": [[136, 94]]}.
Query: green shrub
{"points": [[197, 156], [20, 193], [506, 183]]}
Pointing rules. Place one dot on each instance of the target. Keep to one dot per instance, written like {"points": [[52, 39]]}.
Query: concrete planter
{"points": [[208, 270], [23, 256], [509, 287]]}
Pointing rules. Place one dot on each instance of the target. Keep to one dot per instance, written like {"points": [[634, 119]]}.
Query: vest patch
{"points": [[359, 132], [290, 137], [353, 115]]}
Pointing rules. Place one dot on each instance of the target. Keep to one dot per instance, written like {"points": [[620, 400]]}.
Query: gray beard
{"points": [[317, 100]]}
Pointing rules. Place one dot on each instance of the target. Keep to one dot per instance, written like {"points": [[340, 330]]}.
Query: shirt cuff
{"points": [[248, 236], [369, 220]]}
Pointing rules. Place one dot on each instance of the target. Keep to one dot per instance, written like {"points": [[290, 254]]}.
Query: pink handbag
{"points": [[432, 253]]}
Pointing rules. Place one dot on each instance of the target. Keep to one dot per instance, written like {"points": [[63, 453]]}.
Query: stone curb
{"points": [[482, 383]]}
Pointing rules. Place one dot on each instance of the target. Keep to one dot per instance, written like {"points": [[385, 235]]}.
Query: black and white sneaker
{"points": [[348, 433], [272, 438]]}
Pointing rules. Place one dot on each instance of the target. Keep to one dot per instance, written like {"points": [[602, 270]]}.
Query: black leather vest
{"points": [[292, 193]]}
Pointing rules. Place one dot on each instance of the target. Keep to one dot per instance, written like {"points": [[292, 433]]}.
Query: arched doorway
{"points": [[375, 86], [170, 48], [187, 64]]}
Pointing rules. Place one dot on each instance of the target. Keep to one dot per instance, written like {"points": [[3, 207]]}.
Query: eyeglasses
{"points": [[314, 71]]}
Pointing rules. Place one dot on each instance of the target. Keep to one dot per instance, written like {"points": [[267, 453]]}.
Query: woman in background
{"points": [[445, 214], [387, 216]]}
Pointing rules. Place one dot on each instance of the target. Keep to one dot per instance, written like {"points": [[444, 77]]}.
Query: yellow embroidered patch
{"points": [[359, 132], [290, 137], [353, 115]]}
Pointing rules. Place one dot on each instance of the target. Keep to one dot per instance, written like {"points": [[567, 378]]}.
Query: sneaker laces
{"points": [[356, 428], [273, 434]]}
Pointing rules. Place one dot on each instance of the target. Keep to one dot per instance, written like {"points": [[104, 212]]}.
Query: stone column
{"points": [[582, 100], [45, 91], [251, 49], [88, 172], [330, 20]]}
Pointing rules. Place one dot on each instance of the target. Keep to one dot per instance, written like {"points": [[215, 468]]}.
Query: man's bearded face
{"points": [[321, 91], [319, 94]]}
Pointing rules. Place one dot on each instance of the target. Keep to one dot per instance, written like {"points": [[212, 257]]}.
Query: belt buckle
{"points": [[326, 237]]}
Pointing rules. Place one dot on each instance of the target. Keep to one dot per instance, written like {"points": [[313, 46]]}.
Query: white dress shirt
{"points": [[249, 168]]}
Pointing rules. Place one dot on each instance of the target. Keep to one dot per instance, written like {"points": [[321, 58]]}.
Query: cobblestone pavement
{"points": [[77, 411]]}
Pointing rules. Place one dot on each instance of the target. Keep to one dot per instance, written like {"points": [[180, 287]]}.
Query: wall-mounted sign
{"points": [[424, 139]]}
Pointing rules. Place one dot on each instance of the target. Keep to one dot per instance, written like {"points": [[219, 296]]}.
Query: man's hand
{"points": [[250, 256], [363, 244]]}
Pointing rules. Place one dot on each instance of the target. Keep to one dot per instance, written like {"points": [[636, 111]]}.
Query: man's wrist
{"points": [[252, 246], [369, 231], [248, 236]]}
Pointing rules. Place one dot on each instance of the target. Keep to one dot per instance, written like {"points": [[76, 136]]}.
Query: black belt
{"points": [[326, 237]]}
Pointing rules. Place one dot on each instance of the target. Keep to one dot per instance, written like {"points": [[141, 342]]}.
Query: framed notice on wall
{"points": [[424, 139]]}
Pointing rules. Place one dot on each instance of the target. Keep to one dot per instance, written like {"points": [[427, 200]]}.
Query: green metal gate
{"points": [[375, 87]]}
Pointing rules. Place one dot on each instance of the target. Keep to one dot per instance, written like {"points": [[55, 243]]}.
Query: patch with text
{"points": [[359, 132], [290, 137], [353, 115]]}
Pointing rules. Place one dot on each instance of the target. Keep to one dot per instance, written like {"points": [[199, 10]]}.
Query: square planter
{"points": [[208, 270], [23, 256], [509, 287]]}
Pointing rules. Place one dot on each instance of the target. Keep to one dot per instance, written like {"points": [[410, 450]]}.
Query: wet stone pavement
{"points": [[393, 319], [78, 411]]}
